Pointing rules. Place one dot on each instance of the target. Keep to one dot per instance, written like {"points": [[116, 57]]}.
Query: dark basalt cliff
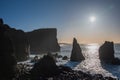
{"points": [[43, 40], [21, 47], [7, 58], [37, 41]]}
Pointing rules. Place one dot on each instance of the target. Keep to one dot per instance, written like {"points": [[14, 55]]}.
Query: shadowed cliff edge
{"points": [[19, 41], [7, 56], [43, 40], [37, 41]]}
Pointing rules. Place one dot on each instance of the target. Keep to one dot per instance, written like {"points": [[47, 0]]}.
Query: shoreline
{"points": [[66, 73]]}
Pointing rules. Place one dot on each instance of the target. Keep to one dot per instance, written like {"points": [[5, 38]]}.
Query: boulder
{"points": [[106, 53], [65, 58], [76, 54], [35, 59], [19, 41], [43, 40], [45, 67]]}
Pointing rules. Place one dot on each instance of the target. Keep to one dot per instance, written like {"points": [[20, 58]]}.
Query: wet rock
{"points": [[110, 78], [65, 58], [98, 77], [45, 67], [106, 53], [65, 68], [43, 40], [59, 56], [76, 54], [66, 73], [35, 59]]}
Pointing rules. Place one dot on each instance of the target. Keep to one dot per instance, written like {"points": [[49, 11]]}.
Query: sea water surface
{"points": [[92, 64]]}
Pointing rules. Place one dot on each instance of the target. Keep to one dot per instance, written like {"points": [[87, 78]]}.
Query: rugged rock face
{"points": [[45, 67], [19, 41], [7, 58], [76, 54], [43, 40], [106, 53], [1, 22]]}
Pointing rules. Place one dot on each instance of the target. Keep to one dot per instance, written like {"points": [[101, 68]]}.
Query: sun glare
{"points": [[92, 19]]}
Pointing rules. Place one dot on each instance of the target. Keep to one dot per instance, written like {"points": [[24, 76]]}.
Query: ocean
{"points": [[92, 64]]}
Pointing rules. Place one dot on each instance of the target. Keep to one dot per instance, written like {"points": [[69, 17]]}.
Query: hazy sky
{"points": [[70, 17]]}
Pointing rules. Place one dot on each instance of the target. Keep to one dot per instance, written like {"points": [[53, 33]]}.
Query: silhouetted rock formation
{"points": [[43, 40], [76, 54], [65, 58], [7, 58], [106, 53], [1, 22], [65, 73], [35, 59], [45, 67], [20, 43], [19, 40]]}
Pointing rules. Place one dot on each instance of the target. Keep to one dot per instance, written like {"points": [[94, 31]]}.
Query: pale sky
{"points": [[72, 18]]}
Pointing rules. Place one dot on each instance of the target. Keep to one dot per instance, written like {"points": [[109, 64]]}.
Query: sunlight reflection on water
{"points": [[92, 63], [90, 51]]}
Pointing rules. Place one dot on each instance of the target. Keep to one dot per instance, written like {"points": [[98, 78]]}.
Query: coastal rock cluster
{"points": [[106, 53], [46, 69], [76, 54], [43, 40]]}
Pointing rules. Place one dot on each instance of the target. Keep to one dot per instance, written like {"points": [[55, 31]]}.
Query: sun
{"points": [[92, 19]]}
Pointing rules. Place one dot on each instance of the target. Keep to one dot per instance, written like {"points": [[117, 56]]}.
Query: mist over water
{"points": [[92, 64]]}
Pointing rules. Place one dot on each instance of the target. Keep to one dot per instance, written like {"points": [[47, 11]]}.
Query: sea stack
{"points": [[76, 54], [106, 53], [43, 40]]}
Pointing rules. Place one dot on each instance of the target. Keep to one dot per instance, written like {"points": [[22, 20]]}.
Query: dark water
{"points": [[92, 63]]}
